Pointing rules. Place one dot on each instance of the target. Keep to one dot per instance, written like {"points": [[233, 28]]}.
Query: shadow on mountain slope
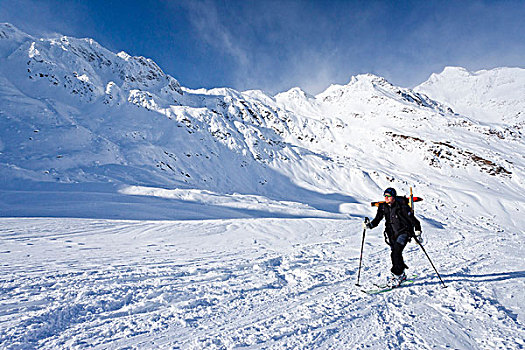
{"points": [[103, 201]]}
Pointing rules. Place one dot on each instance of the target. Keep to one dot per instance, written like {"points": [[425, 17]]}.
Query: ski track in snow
{"points": [[252, 283]]}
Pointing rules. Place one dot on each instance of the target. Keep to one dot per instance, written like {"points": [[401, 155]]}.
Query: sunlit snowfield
{"points": [[256, 283]]}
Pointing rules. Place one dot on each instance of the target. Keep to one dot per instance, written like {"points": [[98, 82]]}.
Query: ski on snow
{"points": [[384, 288]]}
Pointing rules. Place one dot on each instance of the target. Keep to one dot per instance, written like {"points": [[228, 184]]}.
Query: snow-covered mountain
{"points": [[88, 133], [74, 112], [492, 96]]}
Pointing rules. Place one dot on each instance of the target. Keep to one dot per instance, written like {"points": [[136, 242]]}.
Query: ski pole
{"points": [[361, 256], [424, 251]]}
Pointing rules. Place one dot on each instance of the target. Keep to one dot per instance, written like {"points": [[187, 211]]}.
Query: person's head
{"points": [[390, 195]]}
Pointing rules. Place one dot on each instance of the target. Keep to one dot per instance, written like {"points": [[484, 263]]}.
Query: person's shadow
{"points": [[477, 278], [482, 278]]}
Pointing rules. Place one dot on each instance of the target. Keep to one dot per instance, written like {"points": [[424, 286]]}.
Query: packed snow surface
{"points": [[254, 283], [136, 213]]}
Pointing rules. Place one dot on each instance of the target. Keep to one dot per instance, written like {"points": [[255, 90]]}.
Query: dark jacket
{"points": [[399, 219]]}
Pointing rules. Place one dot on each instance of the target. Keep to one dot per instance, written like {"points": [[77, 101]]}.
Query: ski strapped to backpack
{"points": [[409, 201]]}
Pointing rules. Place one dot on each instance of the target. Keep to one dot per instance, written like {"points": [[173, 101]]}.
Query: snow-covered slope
{"points": [[493, 96], [74, 112], [78, 118], [87, 133]]}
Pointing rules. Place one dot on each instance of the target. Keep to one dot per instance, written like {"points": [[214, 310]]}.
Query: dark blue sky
{"points": [[276, 45]]}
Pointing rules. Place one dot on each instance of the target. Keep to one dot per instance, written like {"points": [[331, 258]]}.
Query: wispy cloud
{"points": [[278, 45], [265, 40], [211, 28]]}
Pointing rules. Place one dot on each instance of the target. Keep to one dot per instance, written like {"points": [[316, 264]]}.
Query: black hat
{"points": [[390, 191]]}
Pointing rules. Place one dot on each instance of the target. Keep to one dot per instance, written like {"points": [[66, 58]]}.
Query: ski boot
{"points": [[396, 280]]}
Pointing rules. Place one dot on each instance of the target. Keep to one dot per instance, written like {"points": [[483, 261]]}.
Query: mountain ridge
{"points": [[122, 120]]}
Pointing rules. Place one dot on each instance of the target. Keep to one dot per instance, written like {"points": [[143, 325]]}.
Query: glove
{"points": [[367, 225], [418, 238]]}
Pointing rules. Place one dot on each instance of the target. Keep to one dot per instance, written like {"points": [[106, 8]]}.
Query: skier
{"points": [[400, 226]]}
